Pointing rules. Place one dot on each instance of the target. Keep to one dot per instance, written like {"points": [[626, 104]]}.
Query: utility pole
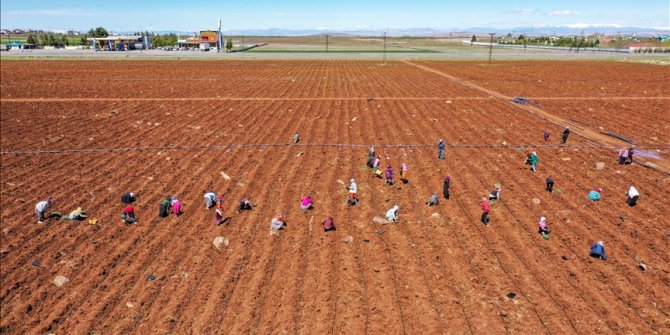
{"points": [[384, 48], [219, 38], [326, 42], [491, 47]]}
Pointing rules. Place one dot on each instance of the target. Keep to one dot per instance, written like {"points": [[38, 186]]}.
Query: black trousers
{"points": [[550, 186], [632, 201], [485, 217]]}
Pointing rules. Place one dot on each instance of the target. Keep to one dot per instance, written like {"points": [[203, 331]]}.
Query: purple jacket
{"points": [[389, 172]]}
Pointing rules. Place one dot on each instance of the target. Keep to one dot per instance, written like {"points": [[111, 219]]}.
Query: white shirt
{"points": [[352, 188], [210, 195], [42, 206], [632, 192], [392, 214], [276, 223]]}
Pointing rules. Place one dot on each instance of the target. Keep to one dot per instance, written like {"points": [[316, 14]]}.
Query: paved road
{"points": [[459, 53]]}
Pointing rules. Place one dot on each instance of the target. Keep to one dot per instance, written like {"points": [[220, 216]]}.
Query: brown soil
{"points": [[425, 274]]}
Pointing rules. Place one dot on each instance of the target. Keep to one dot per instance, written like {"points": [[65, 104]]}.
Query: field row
{"points": [[143, 124], [563, 79], [224, 79], [423, 274], [302, 79]]}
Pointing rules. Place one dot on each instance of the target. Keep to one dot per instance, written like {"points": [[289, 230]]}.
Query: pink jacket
{"points": [[543, 223], [176, 206], [306, 201], [486, 207]]}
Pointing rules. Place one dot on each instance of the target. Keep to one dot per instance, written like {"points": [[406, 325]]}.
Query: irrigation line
{"points": [[244, 260], [495, 253], [423, 268], [395, 283], [534, 241], [273, 99], [362, 281], [229, 147], [307, 247]]}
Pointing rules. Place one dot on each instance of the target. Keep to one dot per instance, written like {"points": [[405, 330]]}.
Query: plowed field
{"points": [[84, 132]]}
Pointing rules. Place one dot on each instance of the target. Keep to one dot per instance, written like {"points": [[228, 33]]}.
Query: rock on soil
{"points": [[380, 220], [60, 280], [220, 241], [600, 166]]}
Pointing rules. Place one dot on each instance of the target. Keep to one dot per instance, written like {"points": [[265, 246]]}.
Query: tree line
{"points": [[562, 41], [61, 40]]}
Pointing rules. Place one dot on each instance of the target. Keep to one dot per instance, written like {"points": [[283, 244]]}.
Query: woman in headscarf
{"points": [[306, 203], [329, 224], [352, 200], [392, 214], [433, 200], [445, 188], [277, 224], [543, 228], [389, 175], [633, 195], [595, 194], [403, 172], [598, 251]]}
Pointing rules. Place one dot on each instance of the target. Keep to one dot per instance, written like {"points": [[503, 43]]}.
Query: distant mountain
{"points": [[431, 32]]}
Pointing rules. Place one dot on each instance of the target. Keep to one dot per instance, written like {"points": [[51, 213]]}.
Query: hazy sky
{"points": [[332, 15]]}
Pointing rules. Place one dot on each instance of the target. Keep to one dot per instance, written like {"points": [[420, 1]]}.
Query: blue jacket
{"points": [[440, 145], [598, 250], [593, 195]]}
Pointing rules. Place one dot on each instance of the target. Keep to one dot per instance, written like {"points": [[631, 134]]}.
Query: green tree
{"points": [[474, 39], [43, 39], [229, 44], [83, 40], [63, 40], [157, 40], [31, 39], [98, 32]]}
